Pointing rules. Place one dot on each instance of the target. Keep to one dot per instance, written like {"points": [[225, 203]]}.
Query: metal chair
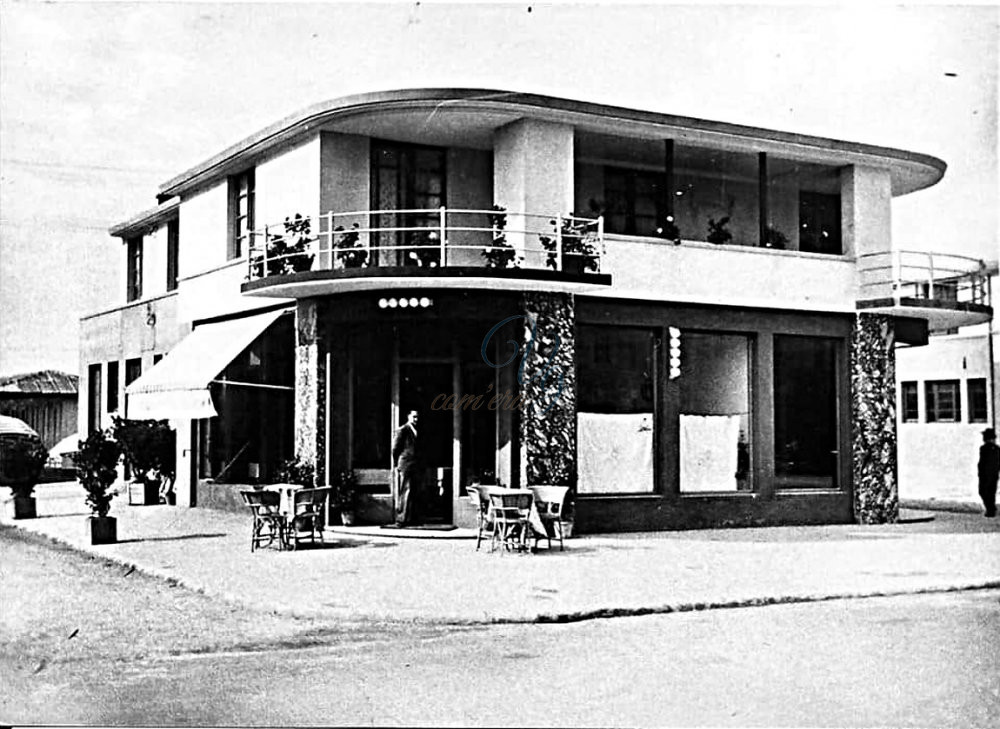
{"points": [[268, 521], [307, 516], [549, 502], [509, 510], [479, 496]]}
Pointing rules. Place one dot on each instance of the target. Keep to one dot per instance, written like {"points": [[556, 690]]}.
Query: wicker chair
{"points": [[268, 522], [549, 502]]}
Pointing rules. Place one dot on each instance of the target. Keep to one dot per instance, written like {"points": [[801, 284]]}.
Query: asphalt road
{"points": [[930, 660]]}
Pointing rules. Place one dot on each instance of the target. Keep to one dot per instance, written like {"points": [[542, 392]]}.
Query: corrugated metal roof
{"points": [[46, 382]]}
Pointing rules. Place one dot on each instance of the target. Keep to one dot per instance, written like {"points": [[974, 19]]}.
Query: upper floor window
{"points": [[173, 248], [978, 408], [133, 286], [819, 223], [910, 405], [943, 401], [634, 200], [112, 386], [241, 213]]}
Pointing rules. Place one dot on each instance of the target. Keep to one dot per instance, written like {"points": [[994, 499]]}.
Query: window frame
{"points": [[629, 177], [173, 252], [907, 389], [133, 267], [242, 187], [932, 405], [974, 406], [113, 400], [818, 203]]}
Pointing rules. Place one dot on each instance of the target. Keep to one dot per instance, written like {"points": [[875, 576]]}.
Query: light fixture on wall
{"points": [[675, 353], [150, 316], [409, 302]]}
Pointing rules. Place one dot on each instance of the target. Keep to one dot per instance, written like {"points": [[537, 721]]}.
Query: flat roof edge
{"points": [[307, 119], [145, 219]]}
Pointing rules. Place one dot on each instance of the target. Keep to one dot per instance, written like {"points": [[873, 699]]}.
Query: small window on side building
{"points": [[909, 403], [978, 407], [943, 401]]}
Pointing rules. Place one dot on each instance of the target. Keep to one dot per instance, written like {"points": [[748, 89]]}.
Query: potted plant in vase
{"points": [[97, 469], [579, 246], [500, 254], [351, 252], [150, 448], [718, 233], [774, 238], [23, 459], [345, 496]]}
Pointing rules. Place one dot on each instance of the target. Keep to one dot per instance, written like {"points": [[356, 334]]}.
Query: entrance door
{"points": [[419, 384]]}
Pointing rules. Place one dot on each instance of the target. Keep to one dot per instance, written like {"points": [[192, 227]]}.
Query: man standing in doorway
{"points": [[989, 469], [405, 454]]}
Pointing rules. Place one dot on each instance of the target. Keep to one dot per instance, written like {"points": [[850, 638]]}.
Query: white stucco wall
{"points": [[866, 210], [204, 228], [938, 460], [287, 184]]}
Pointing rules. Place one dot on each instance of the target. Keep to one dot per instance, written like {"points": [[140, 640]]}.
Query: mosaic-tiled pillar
{"points": [[310, 388], [873, 417], [548, 390]]}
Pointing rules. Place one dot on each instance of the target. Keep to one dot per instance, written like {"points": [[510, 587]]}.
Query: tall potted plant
{"points": [[345, 496], [97, 469], [22, 462]]}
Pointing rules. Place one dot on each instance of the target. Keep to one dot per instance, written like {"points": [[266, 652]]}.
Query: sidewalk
{"points": [[371, 576]]}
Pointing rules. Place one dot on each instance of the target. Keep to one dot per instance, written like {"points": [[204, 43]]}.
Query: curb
{"points": [[959, 507]]}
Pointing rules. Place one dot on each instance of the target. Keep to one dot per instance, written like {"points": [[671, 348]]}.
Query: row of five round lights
{"points": [[413, 302]]}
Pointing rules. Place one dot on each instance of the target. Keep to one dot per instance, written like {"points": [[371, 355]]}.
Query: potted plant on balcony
{"points": [[345, 496], [500, 254], [579, 246], [351, 252], [97, 469], [150, 449], [718, 232], [21, 462], [668, 229], [774, 238], [287, 252]]}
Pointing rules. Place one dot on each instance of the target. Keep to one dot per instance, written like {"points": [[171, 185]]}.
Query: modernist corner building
{"points": [[689, 322]]}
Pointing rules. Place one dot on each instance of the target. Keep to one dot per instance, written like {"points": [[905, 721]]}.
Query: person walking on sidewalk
{"points": [[989, 470], [406, 456]]}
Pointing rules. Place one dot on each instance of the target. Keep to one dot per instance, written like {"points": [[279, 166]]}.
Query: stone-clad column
{"points": [[873, 416], [310, 388], [548, 390]]}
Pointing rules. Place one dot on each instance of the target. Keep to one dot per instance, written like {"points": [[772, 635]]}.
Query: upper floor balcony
{"points": [[946, 289], [429, 247]]}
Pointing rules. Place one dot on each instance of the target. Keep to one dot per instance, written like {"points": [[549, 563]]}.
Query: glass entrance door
{"points": [[419, 384]]}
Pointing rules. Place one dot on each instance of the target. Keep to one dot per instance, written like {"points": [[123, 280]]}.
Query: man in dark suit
{"points": [[406, 455], [989, 469]]}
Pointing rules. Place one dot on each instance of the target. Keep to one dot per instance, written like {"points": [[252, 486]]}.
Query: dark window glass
{"points": [[173, 249], [112, 386], [634, 201], [806, 433], [94, 397], [133, 368], [908, 402], [156, 359], [371, 402], [978, 408], [133, 291], [616, 376], [241, 213], [819, 223], [943, 401]]}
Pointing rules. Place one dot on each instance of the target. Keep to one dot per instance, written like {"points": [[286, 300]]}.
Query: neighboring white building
{"points": [[947, 396], [721, 305]]}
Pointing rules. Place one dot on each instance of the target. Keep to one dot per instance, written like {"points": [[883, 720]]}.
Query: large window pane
{"points": [[714, 411], [616, 376], [805, 412]]}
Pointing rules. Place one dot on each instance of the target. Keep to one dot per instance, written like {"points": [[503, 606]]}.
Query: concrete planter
{"points": [[24, 507], [103, 529]]}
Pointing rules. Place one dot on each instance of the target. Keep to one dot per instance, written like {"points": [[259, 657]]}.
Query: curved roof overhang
{"points": [[468, 117]]}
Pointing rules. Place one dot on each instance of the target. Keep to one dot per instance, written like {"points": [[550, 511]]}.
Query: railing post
{"points": [[559, 243], [267, 237], [600, 241], [930, 277], [443, 212], [896, 262]]}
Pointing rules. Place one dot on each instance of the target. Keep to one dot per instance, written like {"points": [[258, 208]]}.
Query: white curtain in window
{"points": [[614, 453], [709, 452]]}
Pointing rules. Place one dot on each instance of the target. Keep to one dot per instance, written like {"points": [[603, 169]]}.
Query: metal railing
{"points": [[427, 238], [937, 277]]}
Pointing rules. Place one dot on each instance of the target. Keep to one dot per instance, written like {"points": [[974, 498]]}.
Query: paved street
{"points": [[148, 652]]}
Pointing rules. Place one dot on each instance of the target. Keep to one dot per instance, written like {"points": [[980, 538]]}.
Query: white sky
{"points": [[100, 103]]}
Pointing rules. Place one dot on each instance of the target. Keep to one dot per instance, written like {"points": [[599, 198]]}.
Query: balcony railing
{"points": [[427, 238], [914, 277]]}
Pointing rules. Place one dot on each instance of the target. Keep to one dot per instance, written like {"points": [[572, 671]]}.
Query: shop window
{"points": [[133, 291], [806, 432], [943, 401], [819, 223], [112, 386], [241, 213], [908, 402], [616, 409], [714, 410], [978, 408], [370, 406]]}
